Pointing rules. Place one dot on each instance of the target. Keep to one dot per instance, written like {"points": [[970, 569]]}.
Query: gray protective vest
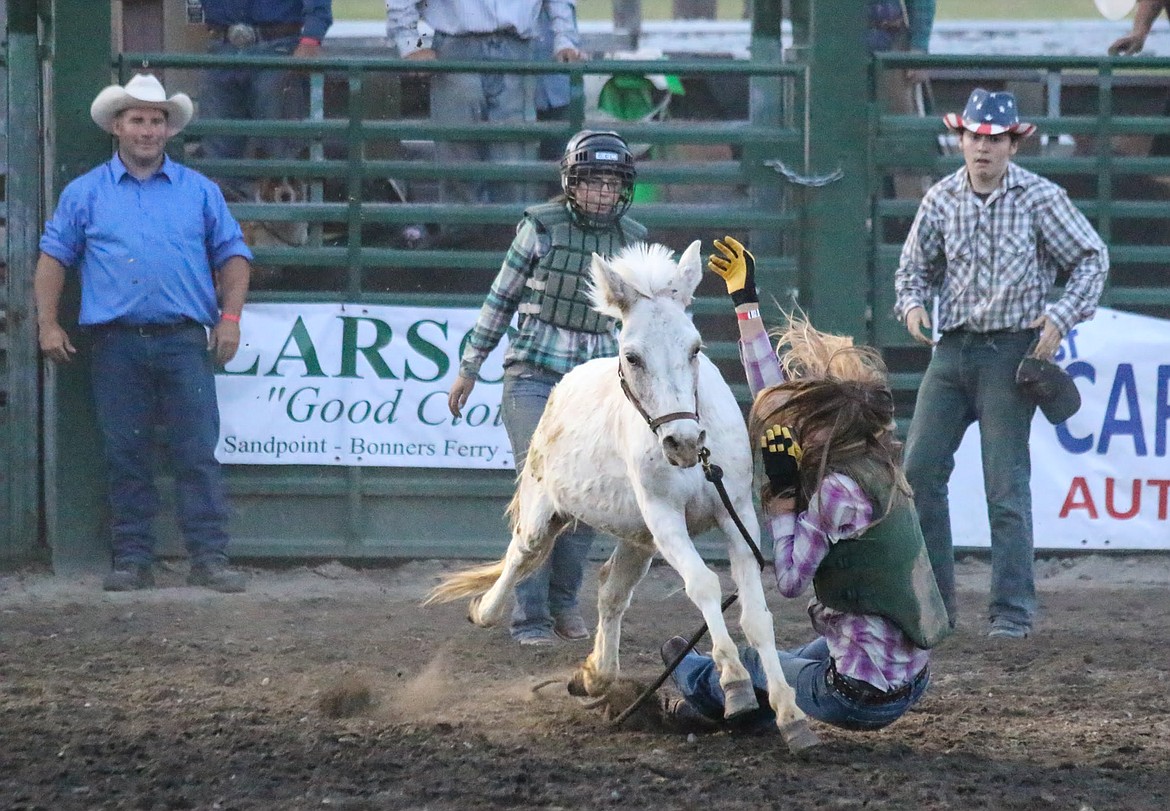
{"points": [[886, 571], [556, 291]]}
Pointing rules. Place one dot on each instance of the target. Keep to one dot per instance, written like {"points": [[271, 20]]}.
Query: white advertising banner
{"points": [[347, 384], [1101, 480]]}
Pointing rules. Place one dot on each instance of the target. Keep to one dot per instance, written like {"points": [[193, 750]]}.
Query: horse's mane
{"points": [[648, 268]]}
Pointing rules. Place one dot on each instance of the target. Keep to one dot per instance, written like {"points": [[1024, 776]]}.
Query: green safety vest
{"points": [[556, 291], [885, 570]]}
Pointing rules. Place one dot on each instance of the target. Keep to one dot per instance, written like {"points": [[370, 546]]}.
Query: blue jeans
{"points": [[138, 382], [247, 93], [552, 589], [971, 377], [804, 670], [474, 98]]}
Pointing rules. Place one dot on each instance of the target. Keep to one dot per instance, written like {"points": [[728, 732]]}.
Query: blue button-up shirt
{"points": [[145, 248], [315, 16]]}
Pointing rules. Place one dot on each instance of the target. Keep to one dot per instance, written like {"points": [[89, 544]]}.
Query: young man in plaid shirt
{"points": [[988, 243]]}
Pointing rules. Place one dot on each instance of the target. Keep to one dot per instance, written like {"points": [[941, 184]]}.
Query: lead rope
{"points": [[714, 474]]}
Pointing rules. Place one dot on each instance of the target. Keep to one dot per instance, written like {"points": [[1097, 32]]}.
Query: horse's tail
{"points": [[467, 583], [478, 579]]}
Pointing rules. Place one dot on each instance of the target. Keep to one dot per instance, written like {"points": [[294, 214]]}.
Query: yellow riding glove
{"points": [[737, 267], [781, 455]]}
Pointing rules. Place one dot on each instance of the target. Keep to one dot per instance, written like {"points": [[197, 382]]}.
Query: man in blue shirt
{"points": [[260, 28], [153, 242]]}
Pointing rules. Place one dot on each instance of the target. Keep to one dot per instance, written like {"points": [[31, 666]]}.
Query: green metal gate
{"points": [[712, 178], [401, 512], [20, 153], [805, 182]]}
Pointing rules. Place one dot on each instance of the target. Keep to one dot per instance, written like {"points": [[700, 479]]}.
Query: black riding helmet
{"points": [[592, 153]]}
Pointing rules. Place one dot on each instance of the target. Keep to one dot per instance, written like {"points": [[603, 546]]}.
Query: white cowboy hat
{"points": [[1114, 9], [143, 90]]}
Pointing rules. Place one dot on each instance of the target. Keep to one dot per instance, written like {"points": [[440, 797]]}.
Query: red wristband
{"points": [[235, 319], [747, 316], [310, 41]]}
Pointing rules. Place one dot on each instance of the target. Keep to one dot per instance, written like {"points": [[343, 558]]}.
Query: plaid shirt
{"points": [[536, 342], [863, 646], [993, 263]]}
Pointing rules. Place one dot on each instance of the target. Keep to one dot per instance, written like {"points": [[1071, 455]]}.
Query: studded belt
{"points": [[866, 694]]}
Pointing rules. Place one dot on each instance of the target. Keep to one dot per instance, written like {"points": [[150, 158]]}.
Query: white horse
{"points": [[627, 463]]}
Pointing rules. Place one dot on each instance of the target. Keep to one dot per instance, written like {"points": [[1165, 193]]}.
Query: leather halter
{"points": [[655, 422]]}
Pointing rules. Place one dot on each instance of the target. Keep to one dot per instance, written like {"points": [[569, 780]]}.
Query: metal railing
{"points": [[741, 194], [21, 434]]}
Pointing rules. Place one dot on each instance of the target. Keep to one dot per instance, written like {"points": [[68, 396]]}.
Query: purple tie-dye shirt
{"points": [[864, 646]]}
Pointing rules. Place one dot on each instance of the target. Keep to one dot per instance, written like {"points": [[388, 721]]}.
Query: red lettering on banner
{"points": [[1163, 486], [1080, 497], [1135, 499], [1079, 488]]}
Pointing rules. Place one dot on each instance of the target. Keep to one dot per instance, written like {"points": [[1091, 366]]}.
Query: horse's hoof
{"points": [[739, 698], [473, 612], [799, 737], [577, 685]]}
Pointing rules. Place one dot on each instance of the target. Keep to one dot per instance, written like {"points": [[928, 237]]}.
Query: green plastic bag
{"points": [[630, 97]]}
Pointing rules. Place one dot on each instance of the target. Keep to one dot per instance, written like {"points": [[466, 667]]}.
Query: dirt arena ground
{"points": [[180, 699]]}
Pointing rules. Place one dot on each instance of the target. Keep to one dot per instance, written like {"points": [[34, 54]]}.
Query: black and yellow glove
{"points": [[781, 453], [737, 267]]}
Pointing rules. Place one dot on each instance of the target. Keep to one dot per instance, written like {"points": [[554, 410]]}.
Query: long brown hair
{"points": [[837, 400]]}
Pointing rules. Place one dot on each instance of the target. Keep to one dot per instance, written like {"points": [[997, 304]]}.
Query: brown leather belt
{"points": [[866, 694], [262, 33]]}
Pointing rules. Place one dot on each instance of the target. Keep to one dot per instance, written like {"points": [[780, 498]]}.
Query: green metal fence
{"points": [[20, 437], [709, 178], [1098, 125], [835, 244]]}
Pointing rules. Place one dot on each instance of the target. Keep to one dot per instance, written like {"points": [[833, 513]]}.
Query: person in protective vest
{"points": [[544, 279], [842, 518]]}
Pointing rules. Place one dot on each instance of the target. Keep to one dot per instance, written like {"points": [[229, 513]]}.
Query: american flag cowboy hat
{"points": [[989, 113]]}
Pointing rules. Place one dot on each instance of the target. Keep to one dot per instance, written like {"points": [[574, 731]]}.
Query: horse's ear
{"points": [[610, 293], [690, 273]]}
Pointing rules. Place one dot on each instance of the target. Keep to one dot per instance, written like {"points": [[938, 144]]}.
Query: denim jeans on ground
{"points": [[245, 93], [138, 382], [971, 377], [804, 670], [552, 589]]}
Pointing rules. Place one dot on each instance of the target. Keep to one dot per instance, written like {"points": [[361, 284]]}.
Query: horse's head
{"points": [[658, 356]]}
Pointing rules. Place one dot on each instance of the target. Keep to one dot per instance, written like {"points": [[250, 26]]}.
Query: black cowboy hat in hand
{"points": [[1049, 387]]}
